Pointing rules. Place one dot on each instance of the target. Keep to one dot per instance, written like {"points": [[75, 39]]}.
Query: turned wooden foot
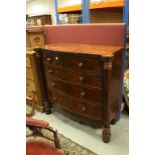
{"points": [[47, 108], [113, 122], [106, 135]]}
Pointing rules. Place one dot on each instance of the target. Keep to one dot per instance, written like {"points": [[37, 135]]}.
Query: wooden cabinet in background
{"points": [[39, 20], [33, 87]]}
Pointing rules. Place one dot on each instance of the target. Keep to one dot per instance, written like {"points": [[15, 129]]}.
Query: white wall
{"points": [[62, 3], [37, 7]]}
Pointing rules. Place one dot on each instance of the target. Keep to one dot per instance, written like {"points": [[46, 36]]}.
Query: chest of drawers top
{"points": [[99, 50]]}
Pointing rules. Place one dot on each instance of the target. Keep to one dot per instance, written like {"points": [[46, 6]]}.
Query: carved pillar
{"points": [[42, 81], [107, 70]]}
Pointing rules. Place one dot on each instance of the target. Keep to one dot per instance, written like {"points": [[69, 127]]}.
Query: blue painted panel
{"points": [[85, 11], [126, 21], [87, 18], [56, 11]]}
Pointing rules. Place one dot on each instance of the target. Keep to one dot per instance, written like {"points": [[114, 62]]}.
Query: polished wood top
{"points": [[106, 51]]}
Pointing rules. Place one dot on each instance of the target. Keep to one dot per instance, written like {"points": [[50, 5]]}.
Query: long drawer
{"points": [[83, 64], [81, 108], [76, 91], [82, 78]]}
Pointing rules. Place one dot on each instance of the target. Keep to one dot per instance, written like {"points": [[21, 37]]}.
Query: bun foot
{"points": [[48, 111], [106, 135], [113, 122], [47, 108]]}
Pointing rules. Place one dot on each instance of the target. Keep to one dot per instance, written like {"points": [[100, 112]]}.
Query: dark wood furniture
{"points": [[33, 87], [82, 81]]}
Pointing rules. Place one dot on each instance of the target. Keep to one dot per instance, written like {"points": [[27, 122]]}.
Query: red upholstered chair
{"points": [[36, 146]]}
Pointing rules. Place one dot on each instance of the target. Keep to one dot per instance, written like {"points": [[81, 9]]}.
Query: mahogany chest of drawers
{"points": [[82, 81]]}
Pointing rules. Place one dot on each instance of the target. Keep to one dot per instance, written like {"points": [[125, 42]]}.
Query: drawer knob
{"points": [[53, 84], [50, 70], [80, 65], [83, 109], [83, 93], [56, 58], [54, 98], [81, 78], [48, 59]]}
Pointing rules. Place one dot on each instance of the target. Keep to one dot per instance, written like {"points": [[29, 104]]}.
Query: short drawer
{"points": [[81, 108], [86, 64], [76, 91], [54, 59], [81, 78], [28, 62], [29, 96], [30, 85], [29, 73]]}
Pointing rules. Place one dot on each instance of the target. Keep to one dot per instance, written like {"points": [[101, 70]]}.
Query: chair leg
{"points": [[56, 140]]}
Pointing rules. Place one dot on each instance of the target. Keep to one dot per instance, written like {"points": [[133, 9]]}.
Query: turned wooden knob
{"points": [[50, 70], [48, 59], [80, 64], [53, 84], [83, 109], [54, 98], [83, 93], [81, 78], [56, 58]]}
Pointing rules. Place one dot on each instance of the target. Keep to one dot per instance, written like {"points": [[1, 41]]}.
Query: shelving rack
{"points": [[85, 7]]}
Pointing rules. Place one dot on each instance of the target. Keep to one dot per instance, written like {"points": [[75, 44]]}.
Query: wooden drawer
{"points": [[76, 91], [36, 39], [29, 96], [30, 85], [80, 78], [29, 73], [81, 108], [28, 62], [83, 64], [54, 59]]}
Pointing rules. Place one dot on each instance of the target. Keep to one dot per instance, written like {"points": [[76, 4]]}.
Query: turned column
{"points": [[107, 71], [42, 81]]}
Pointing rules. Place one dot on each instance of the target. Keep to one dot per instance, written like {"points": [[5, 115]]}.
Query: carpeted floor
{"points": [[70, 147], [89, 137]]}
